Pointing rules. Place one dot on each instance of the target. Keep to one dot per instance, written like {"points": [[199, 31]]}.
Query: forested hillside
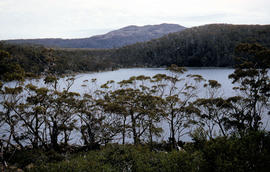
{"points": [[203, 46], [39, 60], [209, 45], [117, 126]]}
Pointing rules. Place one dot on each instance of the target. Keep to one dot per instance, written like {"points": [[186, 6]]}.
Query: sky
{"points": [[24, 19]]}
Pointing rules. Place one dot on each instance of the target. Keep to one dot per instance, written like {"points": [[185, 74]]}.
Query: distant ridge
{"points": [[210, 45], [114, 39], [201, 46]]}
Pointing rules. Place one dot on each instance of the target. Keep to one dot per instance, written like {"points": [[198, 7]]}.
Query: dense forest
{"points": [[203, 46], [118, 124], [208, 45], [37, 60]]}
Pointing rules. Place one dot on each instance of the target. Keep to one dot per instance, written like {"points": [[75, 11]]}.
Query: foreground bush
{"points": [[249, 153], [127, 158]]}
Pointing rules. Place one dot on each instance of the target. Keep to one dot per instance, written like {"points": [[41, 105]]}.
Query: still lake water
{"points": [[218, 74]]}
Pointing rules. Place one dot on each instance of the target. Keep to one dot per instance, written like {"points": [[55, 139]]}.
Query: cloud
{"points": [[67, 18]]}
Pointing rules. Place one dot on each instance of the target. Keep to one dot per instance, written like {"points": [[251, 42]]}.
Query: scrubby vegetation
{"points": [[38, 124], [250, 153]]}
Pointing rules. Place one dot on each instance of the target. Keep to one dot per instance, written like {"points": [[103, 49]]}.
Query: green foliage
{"points": [[250, 153], [208, 45], [9, 69], [251, 75], [36, 60], [128, 158], [37, 157], [30, 58], [46, 117]]}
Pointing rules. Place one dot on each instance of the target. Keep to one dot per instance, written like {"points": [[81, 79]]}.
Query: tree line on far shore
{"points": [[46, 117], [203, 46], [131, 111]]}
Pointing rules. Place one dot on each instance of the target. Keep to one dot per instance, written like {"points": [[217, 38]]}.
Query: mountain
{"points": [[207, 45], [203, 46], [118, 38]]}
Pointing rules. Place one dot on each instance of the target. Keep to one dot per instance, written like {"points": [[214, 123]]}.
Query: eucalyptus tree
{"points": [[212, 110], [2, 122], [98, 124], [10, 97], [134, 107], [149, 105], [124, 102], [117, 103], [151, 109], [253, 83], [177, 92], [147, 112], [239, 116], [31, 114], [132, 119], [38, 116], [60, 118], [89, 123], [11, 132]]}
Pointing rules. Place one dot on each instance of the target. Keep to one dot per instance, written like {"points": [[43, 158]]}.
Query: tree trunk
{"points": [[54, 136], [124, 132], [135, 137]]}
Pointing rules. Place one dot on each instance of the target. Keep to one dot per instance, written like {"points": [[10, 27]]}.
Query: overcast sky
{"points": [[84, 18]]}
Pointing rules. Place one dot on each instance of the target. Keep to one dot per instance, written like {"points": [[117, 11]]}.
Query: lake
{"points": [[218, 74]]}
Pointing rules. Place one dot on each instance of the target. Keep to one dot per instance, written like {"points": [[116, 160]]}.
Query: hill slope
{"points": [[203, 46], [125, 36], [208, 45]]}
